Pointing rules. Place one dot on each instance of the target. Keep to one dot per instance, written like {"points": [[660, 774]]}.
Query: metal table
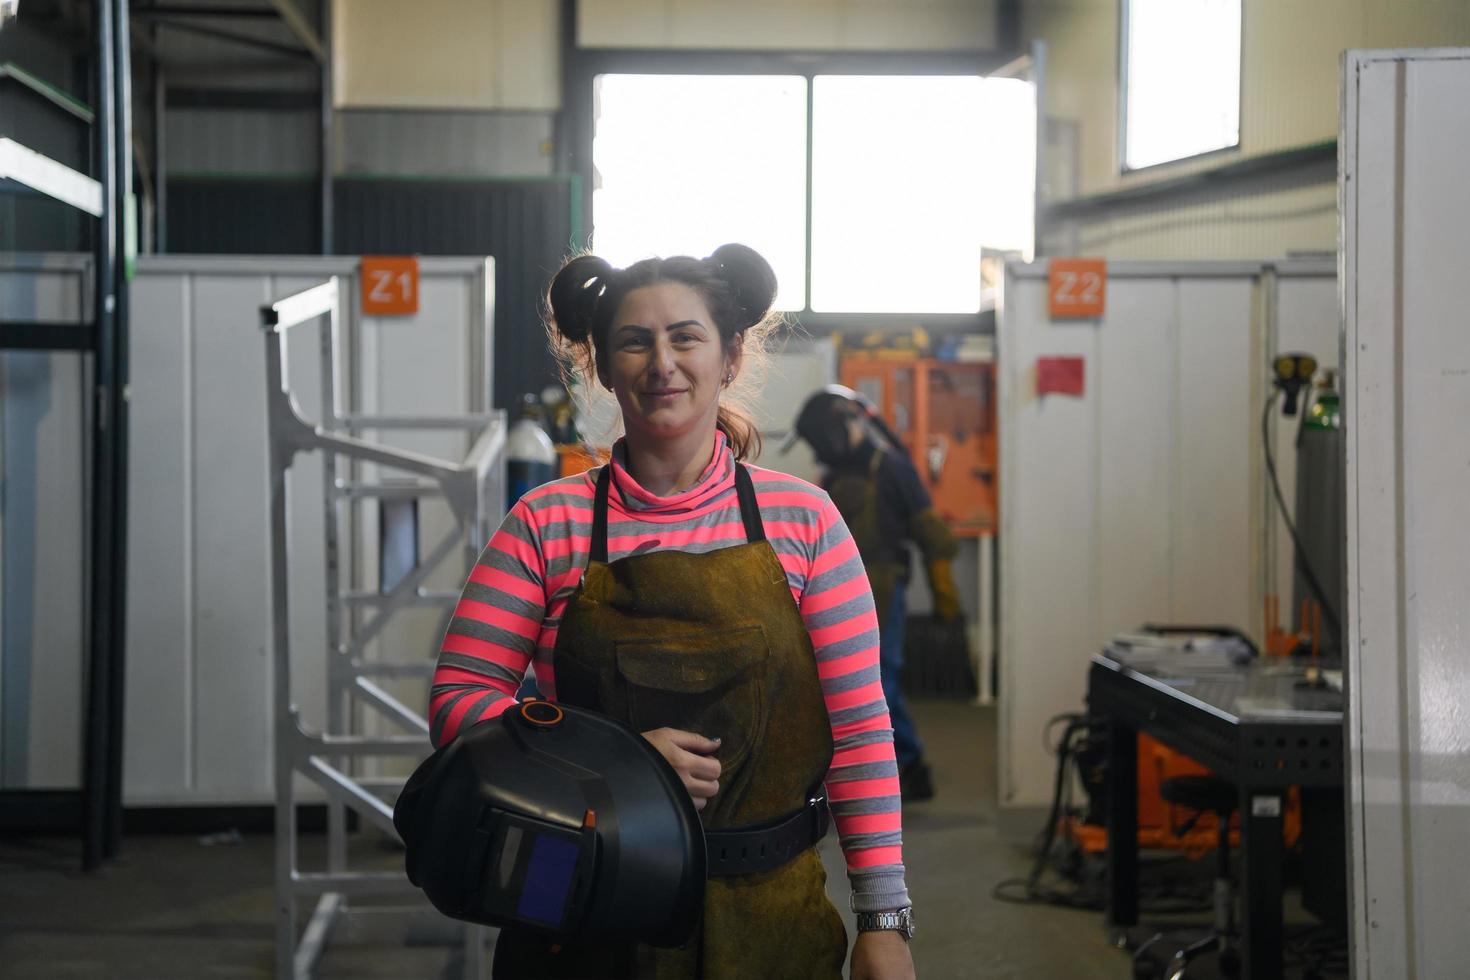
{"points": [[1253, 725]]}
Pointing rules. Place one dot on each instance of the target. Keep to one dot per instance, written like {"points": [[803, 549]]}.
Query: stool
{"points": [[1220, 797]]}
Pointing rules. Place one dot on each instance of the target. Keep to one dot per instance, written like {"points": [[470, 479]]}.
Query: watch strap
{"points": [[897, 920]]}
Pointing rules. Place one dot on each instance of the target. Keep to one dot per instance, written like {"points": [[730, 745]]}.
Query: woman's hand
{"points": [[693, 758], [881, 954]]}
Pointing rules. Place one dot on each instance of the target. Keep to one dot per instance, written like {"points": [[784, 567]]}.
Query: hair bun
{"points": [[574, 293], [751, 279]]}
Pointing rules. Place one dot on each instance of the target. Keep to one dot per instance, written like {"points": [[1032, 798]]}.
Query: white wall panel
{"points": [[199, 717], [45, 454], [1138, 501], [1135, 475], [1216, 577], [1049, 526], [160, 623], [1406, 231]]}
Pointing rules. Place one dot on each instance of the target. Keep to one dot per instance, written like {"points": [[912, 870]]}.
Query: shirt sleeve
{"points": [[904, 493], [492, 636], [837, 607]]}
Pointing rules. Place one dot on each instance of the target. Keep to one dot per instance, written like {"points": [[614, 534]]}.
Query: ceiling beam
{"points": [[234, 37], [184, 10], [302, 28]]}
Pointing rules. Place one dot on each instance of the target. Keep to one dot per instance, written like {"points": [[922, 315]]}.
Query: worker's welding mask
{"points": [[823, 422], [560, 820]]}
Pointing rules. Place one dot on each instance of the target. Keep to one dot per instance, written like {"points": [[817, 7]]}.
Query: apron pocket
{"points": [[711, 682]]}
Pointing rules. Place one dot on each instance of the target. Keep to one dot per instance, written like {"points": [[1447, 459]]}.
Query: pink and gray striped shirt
{"points": [[511, 607]]}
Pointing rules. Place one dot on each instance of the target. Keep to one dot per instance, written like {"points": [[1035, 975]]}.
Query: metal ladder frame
{"points": [[473, 488]]}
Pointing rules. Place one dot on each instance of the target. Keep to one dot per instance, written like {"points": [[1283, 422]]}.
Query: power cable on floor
{"points": [[1080, 890]]}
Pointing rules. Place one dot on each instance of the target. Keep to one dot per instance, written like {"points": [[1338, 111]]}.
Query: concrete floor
{"points": [[177, 908]]}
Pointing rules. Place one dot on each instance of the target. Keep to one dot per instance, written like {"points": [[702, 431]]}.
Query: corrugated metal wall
{"points": [[525, 224], [429, 143], [30, 222], [1263, 219], [243, 216], [243, 141]]}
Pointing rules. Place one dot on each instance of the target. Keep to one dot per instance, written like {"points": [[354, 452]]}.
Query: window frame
{"points": [[1124, 11], [588, 63]]}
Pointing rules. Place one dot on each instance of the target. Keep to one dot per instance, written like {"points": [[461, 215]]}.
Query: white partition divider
{"points": [[199, 711], [1405, 136], [45, 452], [1143, 499]]}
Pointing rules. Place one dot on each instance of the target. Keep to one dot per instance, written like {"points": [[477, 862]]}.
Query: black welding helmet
{"points": [[823, 423], [560, 820]]}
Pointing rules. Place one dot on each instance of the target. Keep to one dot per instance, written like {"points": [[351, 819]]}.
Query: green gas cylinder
{"points": [[1321, 505], [1326, 410]]}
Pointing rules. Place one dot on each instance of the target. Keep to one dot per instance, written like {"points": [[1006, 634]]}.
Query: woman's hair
{"points": [[735, 282]]}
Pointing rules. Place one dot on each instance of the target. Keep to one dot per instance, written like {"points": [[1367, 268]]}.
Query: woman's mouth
{"points": [[661, 394]]}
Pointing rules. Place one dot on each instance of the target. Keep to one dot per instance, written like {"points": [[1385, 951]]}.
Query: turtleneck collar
{"points": [[718, 476]]}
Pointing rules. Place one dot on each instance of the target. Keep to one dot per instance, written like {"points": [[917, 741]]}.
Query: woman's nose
{"points": [[662, 362]]}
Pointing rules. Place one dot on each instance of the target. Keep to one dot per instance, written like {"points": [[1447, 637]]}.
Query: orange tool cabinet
{"points": [[945, 413]]}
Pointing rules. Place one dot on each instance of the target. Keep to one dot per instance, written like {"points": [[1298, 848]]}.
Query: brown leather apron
{"points": [[713, 644]]}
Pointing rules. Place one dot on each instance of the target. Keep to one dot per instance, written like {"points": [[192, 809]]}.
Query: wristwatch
{"points": [[900, 921]]}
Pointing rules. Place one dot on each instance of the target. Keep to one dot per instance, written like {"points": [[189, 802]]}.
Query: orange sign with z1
{"points": [[390, 285]]}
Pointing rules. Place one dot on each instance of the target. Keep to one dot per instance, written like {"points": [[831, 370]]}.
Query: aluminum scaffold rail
{"points": [[472, 488]]}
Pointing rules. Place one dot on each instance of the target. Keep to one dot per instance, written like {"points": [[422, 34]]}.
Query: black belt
{"points": [[764, 847]]}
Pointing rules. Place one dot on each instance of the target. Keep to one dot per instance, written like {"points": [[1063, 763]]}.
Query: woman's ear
{"points": [[734, 354]]}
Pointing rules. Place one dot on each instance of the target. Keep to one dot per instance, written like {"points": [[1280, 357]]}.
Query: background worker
{"points": [[718, 608], [875, 487]]}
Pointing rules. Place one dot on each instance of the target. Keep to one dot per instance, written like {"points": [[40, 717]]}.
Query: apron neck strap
{"points": [[750, 513], [598, 546]]}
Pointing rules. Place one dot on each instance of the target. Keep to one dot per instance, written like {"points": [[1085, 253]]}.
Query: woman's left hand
{"points": [[881, 954]]}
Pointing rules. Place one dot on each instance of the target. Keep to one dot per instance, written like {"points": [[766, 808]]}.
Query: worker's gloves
{"points": [[946, 596]]}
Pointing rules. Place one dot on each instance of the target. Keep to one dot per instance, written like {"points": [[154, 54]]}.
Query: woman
{"points": [[721, 609]]}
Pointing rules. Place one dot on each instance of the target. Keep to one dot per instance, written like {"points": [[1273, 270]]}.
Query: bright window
{"points": [[905, 191], [910, 176], [1181, 79], [686, 163]]}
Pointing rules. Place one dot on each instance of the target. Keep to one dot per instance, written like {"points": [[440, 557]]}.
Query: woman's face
{"points": [[666, 362]]}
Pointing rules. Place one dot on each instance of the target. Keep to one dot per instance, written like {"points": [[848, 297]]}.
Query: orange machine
{"points": [[945, 413], [1157, 820]]}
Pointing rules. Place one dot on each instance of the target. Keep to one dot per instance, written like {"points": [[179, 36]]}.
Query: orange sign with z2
{"points": [[1077, 288], [390, 285]]}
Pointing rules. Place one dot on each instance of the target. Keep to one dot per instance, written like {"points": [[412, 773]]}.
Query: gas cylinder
{"points": [[1321, 506], [530, 457]]}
